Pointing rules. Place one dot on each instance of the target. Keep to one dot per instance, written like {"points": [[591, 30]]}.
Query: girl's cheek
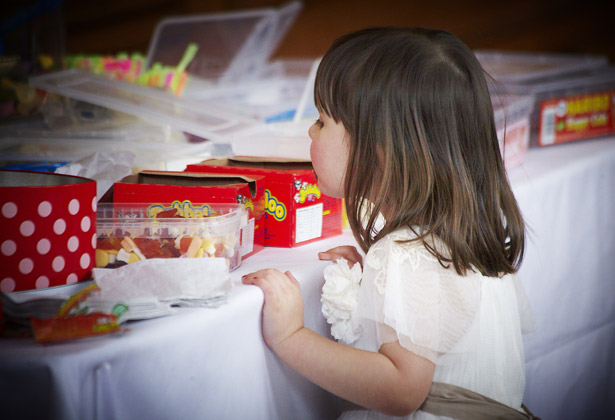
{"points": [[312, 152]]}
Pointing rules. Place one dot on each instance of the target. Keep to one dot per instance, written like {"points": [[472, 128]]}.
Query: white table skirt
{"points": [[213, 364], [197, 364], [567, 195]]}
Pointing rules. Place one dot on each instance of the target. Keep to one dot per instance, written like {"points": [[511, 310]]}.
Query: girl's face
{"points": [[329, 152]]}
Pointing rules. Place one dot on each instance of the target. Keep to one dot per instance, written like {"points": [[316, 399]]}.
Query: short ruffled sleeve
{"points": [[410, 297]]}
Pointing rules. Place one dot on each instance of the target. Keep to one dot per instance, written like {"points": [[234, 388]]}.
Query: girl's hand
{"points": [[349, 253], [283, 307]]}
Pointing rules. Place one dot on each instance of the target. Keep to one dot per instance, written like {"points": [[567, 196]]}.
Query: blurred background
{"points": [[250, 64], [112, 26]]}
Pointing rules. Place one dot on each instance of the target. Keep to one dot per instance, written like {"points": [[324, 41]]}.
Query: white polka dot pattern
{"points": [[42, 282], [59, 226], [85, 261], [85, 224], [48, 235], [73, 244], [9, 210], [43, 246], [7, 285], [44, 209], [26, 266], [8, 247], [71, 278], [73, 206], [26, 228], [58, 264]]}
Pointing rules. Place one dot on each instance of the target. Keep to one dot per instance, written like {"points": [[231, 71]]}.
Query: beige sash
{"points": [[463, 404]]}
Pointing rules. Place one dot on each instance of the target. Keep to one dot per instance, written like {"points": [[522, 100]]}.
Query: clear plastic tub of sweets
{"points": [[127, 233]]}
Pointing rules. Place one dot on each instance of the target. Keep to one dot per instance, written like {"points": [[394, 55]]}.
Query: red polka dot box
{"points": [[47, 229]]}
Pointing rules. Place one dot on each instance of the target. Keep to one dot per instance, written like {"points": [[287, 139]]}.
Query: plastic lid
{"points": [[232, 45], [523, 67], [157, 106], [603, 78]]}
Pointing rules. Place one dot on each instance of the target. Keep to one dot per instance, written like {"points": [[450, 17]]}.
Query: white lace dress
{"points": [[469, 326]]}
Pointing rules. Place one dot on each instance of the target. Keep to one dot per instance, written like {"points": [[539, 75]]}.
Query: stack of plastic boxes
{"points": [[232, 87], [231, 67], [70, 130], [573, 95]]}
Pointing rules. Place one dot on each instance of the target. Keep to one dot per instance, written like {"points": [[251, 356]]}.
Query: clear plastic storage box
{"points": [[571, 107], [517, 67], [231, 68], [57, 140], [232, 46], [156, 106], [127, 233], [557, 83]]}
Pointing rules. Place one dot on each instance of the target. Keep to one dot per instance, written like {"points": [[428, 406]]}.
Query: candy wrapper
{"points": [[77, 326], [131, 68], [67, 325], [142, 290]]}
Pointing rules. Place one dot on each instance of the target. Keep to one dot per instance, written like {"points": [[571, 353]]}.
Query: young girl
{"points": [[406, 135]]}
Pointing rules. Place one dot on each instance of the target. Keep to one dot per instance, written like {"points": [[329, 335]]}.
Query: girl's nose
{"points": [[312, 131]]}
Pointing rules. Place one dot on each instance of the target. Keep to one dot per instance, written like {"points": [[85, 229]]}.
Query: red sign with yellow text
{"points": [[576, 117]]}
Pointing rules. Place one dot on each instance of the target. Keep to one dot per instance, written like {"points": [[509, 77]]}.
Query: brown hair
{"points": [[423, 145]]}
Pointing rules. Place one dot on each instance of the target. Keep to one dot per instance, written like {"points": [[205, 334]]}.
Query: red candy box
{"points": [[167, 186], [296, 211], [47, 229]]}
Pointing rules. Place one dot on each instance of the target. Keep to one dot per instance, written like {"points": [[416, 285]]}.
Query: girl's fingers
{"points": [[291, 277], [349, 253], [282, 312], [270, 278], [249, 278]]}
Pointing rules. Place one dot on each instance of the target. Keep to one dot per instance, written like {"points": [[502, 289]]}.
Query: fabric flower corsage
{"points": [[340, 297]]}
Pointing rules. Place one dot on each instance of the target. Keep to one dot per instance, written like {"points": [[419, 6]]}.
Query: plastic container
{"points": [[132, 232], [514, 67], [512, 121], [233, 46], [570, 107], [49, 140], [271, 98], [231, 68], [204, 120]]}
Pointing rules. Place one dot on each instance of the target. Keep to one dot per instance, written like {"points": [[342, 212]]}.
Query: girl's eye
{"points": [[319, 122]]}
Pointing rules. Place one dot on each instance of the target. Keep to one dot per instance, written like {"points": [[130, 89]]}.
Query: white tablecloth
{"points": [[567, 195], [213, 364], [198, 364]]}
